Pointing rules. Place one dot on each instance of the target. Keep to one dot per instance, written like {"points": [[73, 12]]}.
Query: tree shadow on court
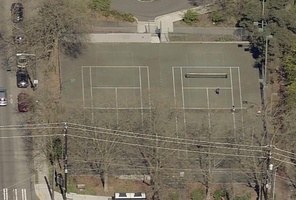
{"points": [[73, 45]]}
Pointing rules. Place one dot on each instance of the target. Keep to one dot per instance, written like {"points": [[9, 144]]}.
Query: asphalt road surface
{"points": [[148, 10], [16, 166]]}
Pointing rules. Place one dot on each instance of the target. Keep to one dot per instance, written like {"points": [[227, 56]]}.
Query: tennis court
{"points": [[117, 78]]}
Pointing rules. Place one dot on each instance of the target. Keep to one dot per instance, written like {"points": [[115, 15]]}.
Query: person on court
{"points": [[217, 90], [233, 109]]}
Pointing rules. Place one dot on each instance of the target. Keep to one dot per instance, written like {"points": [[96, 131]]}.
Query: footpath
{"points": [[155, 31], [41, 189]]}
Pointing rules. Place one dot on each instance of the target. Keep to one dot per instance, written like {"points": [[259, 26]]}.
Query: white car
{"points": [[21, 61], [3, 97]]}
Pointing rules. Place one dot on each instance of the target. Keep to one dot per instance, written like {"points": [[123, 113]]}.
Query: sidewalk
{"points": [[41, 190]]}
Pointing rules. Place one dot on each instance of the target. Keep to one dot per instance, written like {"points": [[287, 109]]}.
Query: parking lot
{"points": [[110, 78]]}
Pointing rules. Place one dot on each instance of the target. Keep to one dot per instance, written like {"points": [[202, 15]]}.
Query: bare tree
{"points": [[57, 25]]}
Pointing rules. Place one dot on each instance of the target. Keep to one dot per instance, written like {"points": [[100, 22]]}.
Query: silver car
{"points": [[3, 97]]}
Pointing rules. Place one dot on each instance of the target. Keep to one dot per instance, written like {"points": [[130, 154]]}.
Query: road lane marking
{"points": [[24, 194], [5, 194]]}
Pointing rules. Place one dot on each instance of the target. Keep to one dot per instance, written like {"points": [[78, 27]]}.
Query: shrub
{"points": [[190, 17], [127, 17], [243, 197], [221, 193], [197, 195], [217, 17], [100, 5], [173, 196]]}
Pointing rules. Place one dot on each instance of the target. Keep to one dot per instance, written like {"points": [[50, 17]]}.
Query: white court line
{"points": [[203, 88], [117, 66], [112, 108], [14, 194], [204, 67], [82, 84], [243, 108], [184, 114], [182, 86], [241, 98], [231, 86], [91, 95], [174, 86], [149, 95], [116, 105], [5, 193], [232, 100], [209, 114], [240, 88], [124, 88], [175, 101], [141, 96]]}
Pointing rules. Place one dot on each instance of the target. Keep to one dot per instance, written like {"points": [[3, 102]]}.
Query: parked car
{"points": [[22, 78], [3, 97], [17, 12], [23, 102], [21, 61]]}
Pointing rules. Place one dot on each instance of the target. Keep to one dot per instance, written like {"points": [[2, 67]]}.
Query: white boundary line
{"points": [[204, 67], [106, 108], [243, 108], [182, 86], [232, 100], [174, 86], [204, 88], [116, 105], [175, 101], [149, 95], [207, 88], [184, 114], [82, 84], [141, 96], [241, 99], [114, 66], [209, 109], [231, 86], [91, 94], [116, 88], [124, 88]]}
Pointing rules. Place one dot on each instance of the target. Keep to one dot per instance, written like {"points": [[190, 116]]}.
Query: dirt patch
{"points": [[94, 185]]}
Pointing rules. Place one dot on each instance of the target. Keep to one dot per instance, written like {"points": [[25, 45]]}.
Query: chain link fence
{"points": [[187, 34]]}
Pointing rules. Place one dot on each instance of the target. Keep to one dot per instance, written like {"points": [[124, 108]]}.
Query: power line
{"points": [[175, 140], [164, 137], [285, 151], [164, 148]]}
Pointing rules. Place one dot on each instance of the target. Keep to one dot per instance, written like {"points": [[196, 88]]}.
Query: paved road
{"points": [[145, 11], [16, 174]]}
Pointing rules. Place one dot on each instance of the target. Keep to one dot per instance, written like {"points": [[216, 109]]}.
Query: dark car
{"points": [[17, 12], [22, 78], [23, 104]]}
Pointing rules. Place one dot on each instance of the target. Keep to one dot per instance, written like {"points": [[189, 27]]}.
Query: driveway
{"points": [[145, 11]]}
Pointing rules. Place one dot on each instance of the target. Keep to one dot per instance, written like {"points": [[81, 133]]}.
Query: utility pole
{"points": [[65, 158], [263, 4], [266, 122], [53, 181]]}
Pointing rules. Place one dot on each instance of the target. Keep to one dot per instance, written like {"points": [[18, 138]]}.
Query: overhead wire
{"points": [[164, 148], [175, 140], [164, 137]]}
